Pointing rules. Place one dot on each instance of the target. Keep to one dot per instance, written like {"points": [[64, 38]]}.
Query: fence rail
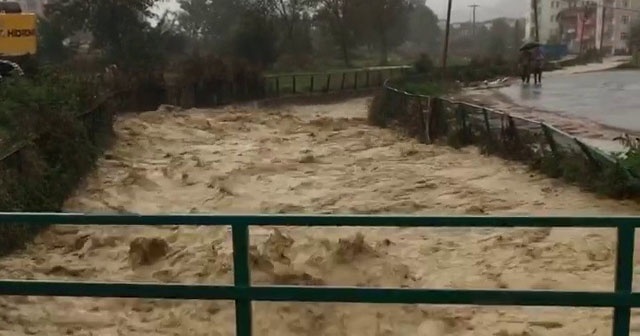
{"points": [[622, 299], [545, 147], [331, 81]]}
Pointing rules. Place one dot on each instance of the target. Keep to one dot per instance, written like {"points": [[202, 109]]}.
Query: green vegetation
{"points": [[545, 149], [48, 145]]}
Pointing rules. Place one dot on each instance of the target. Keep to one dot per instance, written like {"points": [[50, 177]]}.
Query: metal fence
{"points": [[331, 81], [243, 292], [554, 152]]}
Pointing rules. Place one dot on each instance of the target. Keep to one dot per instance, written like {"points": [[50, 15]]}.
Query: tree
{"points": [[498, 38], [50, 42], [118, 27], [254, 39], [386, 23], [423, 27], [341, 17], [293, 16], [211, 21]]}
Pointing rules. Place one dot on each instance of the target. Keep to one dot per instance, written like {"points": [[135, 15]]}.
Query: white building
{"points": [[548, 11]]}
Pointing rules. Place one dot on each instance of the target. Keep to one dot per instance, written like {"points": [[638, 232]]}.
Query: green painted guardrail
{"points": [[243, 292]]}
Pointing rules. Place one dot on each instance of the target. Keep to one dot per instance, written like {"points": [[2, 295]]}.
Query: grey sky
{"points": [[488, 9]]}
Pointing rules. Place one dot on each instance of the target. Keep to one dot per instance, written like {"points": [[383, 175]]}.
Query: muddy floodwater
{"points": [[313, 159]]}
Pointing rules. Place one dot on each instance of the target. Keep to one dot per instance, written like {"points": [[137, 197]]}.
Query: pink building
{"points": [[578, 27]]}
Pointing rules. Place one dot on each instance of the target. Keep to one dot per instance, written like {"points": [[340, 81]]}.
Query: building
{"points": [[578, 27], [548, 11], [615, 18], [601, 24]]}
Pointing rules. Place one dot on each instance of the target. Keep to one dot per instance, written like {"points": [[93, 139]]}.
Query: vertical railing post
{"points": [[344, 77], [549, 137], [368, 79], [487, 126], [311, 84], [294, 83], [328, 83], [624, 279], [278, 86], [355, 81], [242, 278]]}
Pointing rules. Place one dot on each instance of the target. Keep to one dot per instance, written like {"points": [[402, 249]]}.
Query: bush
{"points": [[424, 64], [49, 146], [377, 114]]}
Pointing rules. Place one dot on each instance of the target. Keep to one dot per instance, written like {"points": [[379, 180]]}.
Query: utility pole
{"points": [[445, 50], [474, 43], [534, 3], [474, 6], [603, 26]]}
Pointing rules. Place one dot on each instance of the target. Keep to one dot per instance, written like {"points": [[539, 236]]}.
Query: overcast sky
{"points": [[488, 9]]}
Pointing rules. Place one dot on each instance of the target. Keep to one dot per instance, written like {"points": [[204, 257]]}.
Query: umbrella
{"points": [[529, 46]]}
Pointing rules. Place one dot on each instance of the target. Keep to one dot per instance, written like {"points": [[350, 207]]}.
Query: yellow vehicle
{"points": [[18, 34], [18, 37]]}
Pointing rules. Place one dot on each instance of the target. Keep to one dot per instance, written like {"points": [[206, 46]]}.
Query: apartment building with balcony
{"points": [[584, 24]]}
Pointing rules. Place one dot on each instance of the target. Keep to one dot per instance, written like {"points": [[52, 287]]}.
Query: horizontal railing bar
{"points": [[117, 290], [319, 294], [333, 72], [320, 220]]}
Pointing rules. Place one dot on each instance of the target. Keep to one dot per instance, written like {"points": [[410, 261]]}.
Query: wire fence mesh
{"points": [[543, 147]]}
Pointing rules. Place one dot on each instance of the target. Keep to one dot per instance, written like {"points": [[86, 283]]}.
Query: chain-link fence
{"points": [[542, 146]]}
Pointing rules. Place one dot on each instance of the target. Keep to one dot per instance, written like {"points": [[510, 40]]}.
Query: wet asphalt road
{"points": [[611, 98]]}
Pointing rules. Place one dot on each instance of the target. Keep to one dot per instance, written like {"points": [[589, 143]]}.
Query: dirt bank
{"points": [[311, 159]]}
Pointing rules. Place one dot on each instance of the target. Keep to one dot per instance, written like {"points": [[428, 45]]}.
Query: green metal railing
{"points": [[278, 85], [622, 299]]}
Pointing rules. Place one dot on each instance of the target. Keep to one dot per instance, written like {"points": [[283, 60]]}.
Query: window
{"points": [[625, 3], [625, 19]]}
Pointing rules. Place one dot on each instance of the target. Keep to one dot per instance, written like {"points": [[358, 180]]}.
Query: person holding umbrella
{"points": [[527, 61], [538, 64]]}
